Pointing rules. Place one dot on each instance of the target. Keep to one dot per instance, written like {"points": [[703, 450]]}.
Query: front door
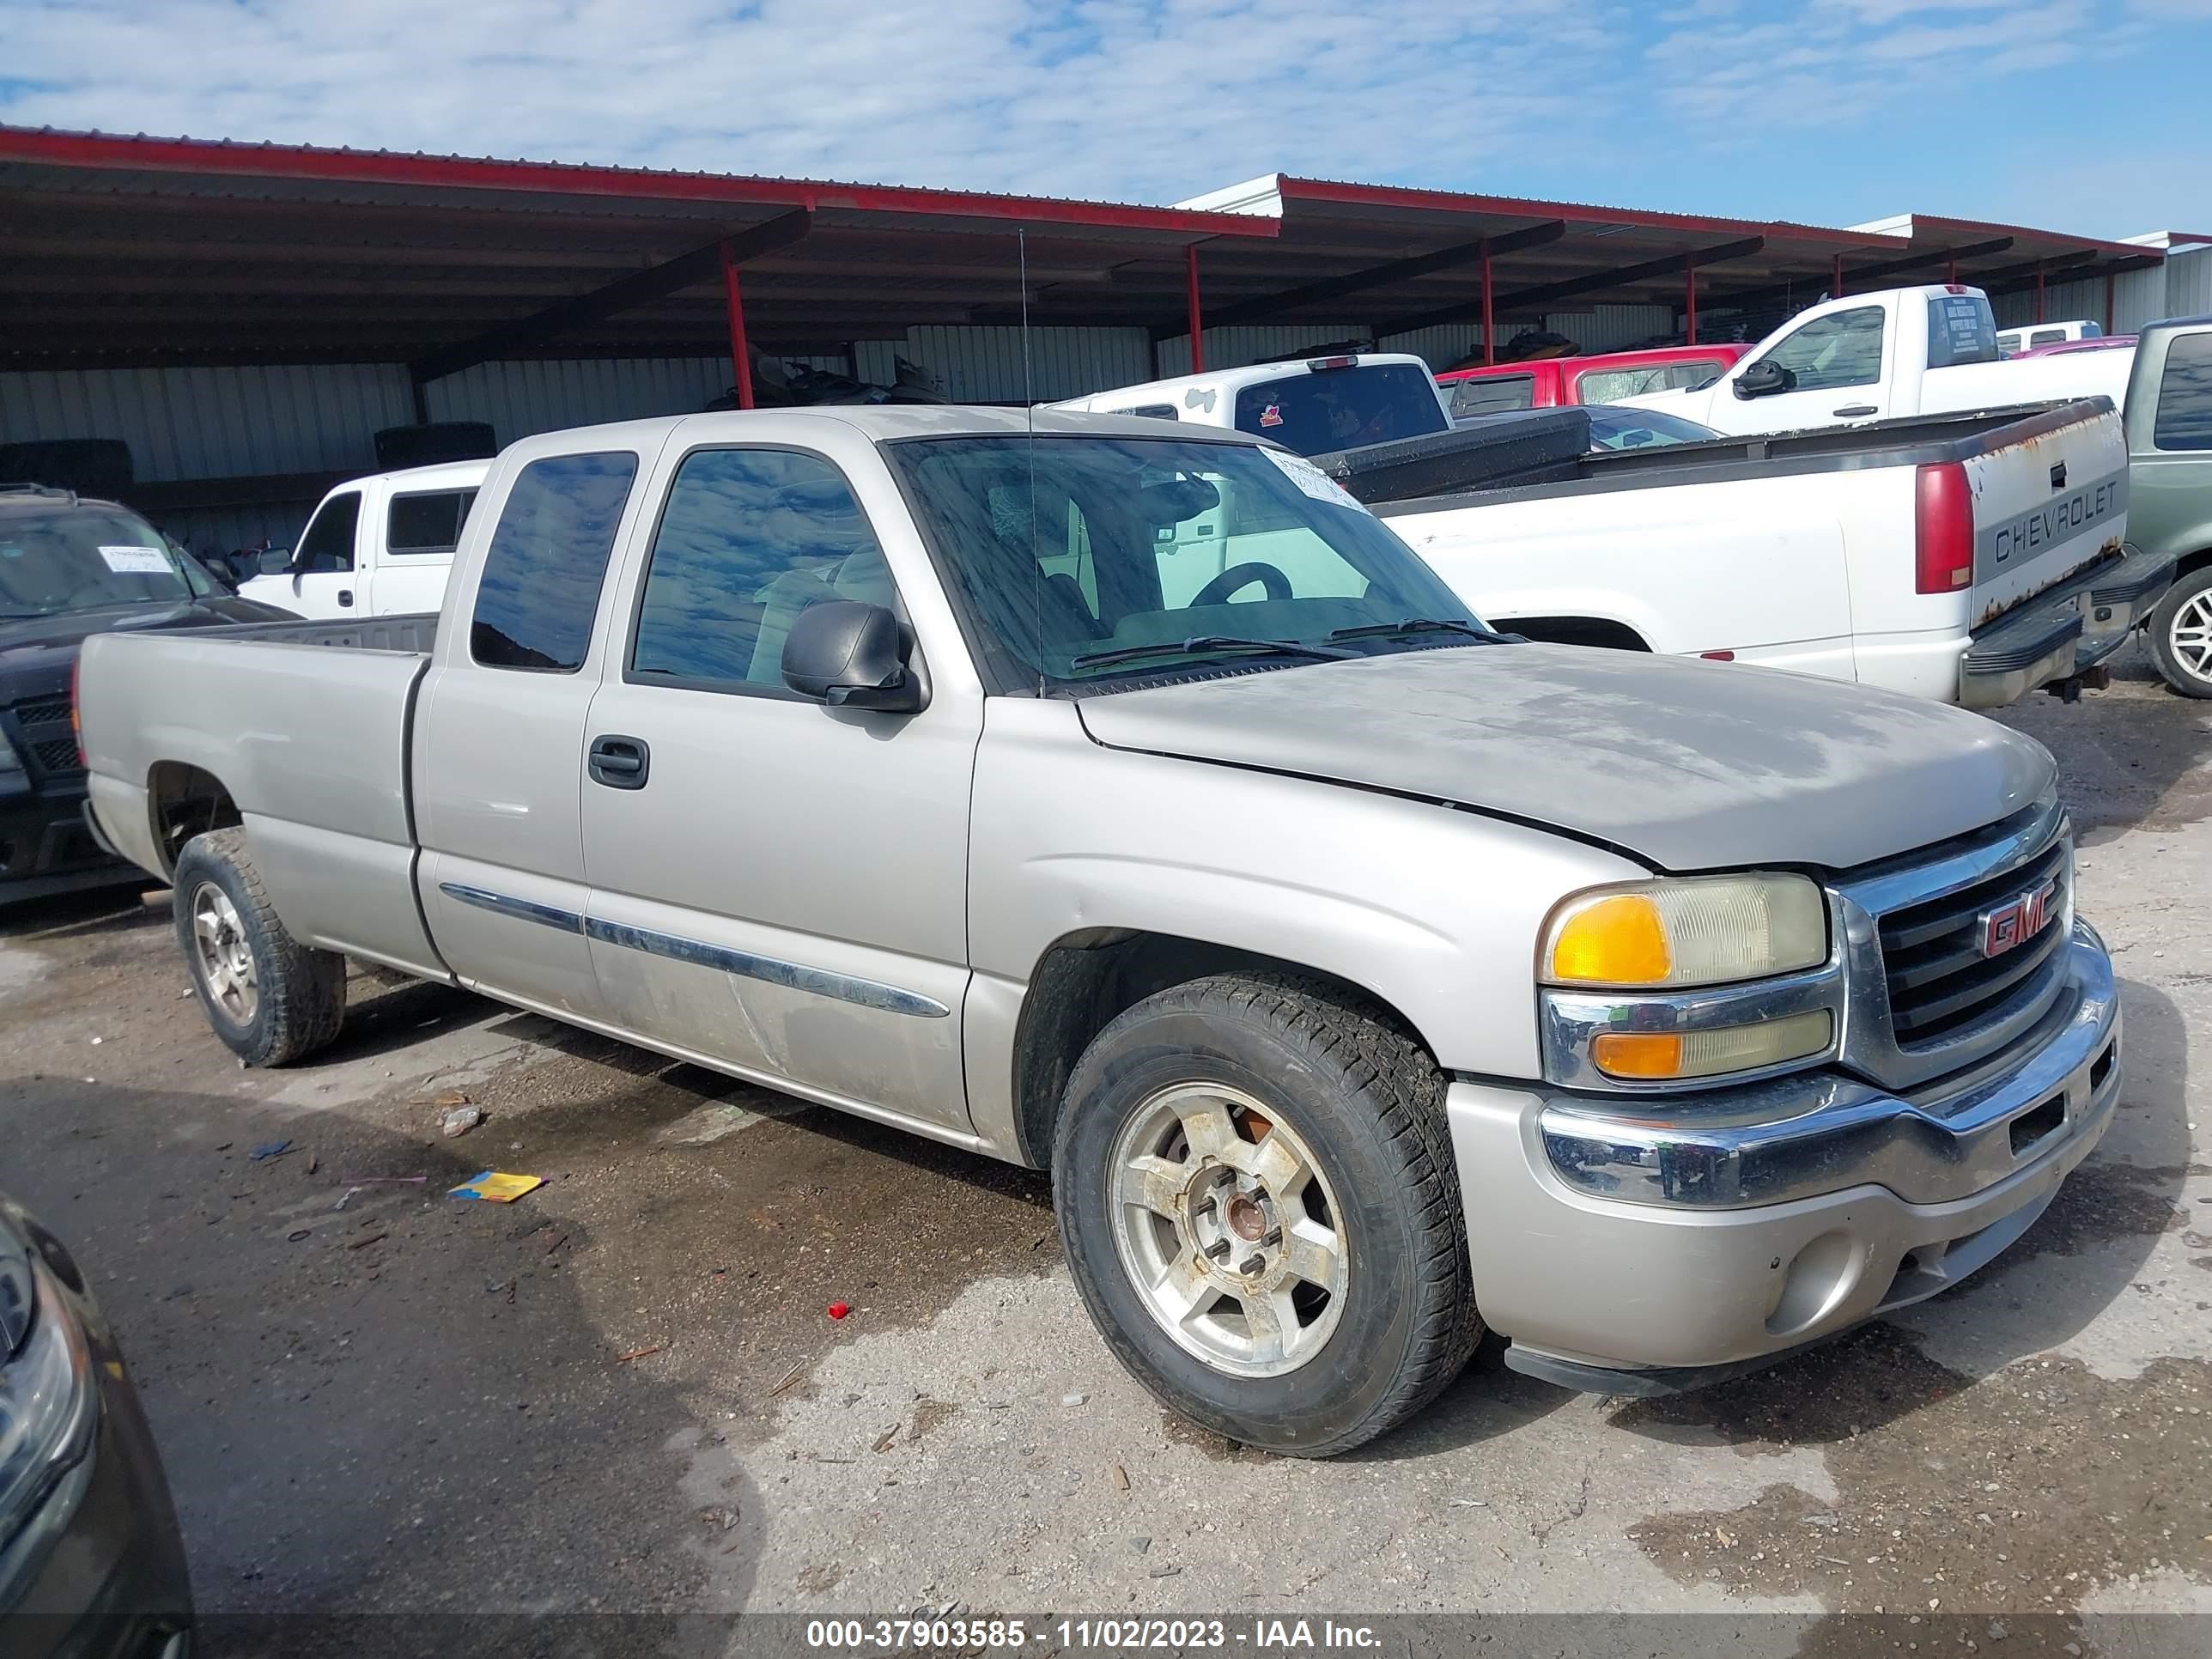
{"points": [[499, 739], [322, 574], [1835, 363], [777, 886]]}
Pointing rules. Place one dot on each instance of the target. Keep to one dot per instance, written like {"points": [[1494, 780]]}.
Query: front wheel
{"points": [[270, 997], [1256, 1186], [2181, 633]]}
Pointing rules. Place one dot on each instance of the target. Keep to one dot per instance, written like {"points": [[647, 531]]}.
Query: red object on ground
{"points": [[838, 1310]]}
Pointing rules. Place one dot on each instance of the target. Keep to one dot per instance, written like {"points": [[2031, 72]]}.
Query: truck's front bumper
{"points": [[2060, 633], [1605, 1282], [44, 849]]}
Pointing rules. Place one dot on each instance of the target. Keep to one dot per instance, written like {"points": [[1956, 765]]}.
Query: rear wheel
{"points": [[1256, 1186], [2181, 633], [270, 997]]}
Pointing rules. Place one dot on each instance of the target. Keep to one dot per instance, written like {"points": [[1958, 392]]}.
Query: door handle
{"points": [[345, 596], [618, 762], [1856, 409]]}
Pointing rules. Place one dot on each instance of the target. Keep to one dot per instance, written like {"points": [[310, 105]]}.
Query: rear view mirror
{"points": [[1763, 379], [275, 561], [850, 655], [1176, 501]]}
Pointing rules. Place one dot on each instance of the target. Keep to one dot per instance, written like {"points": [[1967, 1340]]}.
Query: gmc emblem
{"points": [[2016, 922]]}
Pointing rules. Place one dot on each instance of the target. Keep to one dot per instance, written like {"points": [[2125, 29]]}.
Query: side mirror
{"points": [[850, 655], [1765, 378], [275, 561]]}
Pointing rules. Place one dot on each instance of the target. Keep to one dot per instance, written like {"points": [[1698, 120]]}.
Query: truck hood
{"points": [[1686, 765], [36, 653]]}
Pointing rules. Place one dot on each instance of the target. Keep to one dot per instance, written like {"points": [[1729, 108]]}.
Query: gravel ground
{"points": [[623, 1393]]}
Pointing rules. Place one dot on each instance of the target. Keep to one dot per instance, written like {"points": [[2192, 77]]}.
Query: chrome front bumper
{"points": [[1633, 1244]]}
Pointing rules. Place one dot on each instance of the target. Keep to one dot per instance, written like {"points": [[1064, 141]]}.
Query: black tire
{"points": [[300, 992], [1368, 1102], [2191, 586]]}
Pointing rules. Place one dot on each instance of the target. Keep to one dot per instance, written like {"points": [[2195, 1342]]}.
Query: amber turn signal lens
{"points": [[1619, 940], [1639, 1053]]}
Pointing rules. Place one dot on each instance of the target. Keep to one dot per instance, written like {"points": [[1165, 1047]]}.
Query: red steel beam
{"points": [[1190, 302], [1489, 296], [740, 353]]}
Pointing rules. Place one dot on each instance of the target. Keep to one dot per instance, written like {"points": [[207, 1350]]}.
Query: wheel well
{"points": [[1575, 630], [185, 802], [2190, 563], [1086, 981]]}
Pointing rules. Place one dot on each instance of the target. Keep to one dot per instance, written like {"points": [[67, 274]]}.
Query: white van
{"points": [[378, 546], [2011, 342]]}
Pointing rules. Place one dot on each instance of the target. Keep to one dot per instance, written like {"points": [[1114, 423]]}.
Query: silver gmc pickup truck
{"points": [[1363, 977]]}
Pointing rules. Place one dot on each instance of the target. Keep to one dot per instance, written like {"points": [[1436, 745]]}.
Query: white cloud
{"points": [[1143, 100]]}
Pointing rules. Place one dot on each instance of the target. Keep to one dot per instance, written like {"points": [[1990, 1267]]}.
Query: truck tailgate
{"points": [[2047, 503]]}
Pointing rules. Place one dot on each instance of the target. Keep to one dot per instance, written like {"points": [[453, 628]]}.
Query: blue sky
{"points": [[2083, 115]]}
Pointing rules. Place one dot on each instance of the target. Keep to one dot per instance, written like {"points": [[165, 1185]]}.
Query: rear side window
{"points": [[328, 545], [750, 539], [547, 560], [427, 522], [1610, 386], [2047, 337], [1961, 330], [2184, 396], [1492, 394], [1150, 411], [1342, 408]]}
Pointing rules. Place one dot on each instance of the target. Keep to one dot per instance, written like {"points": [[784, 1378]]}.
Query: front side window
{"points": [[63, 557], [1840, 349], [750, 539], [427, 522], [2184, 420], [1060, 551], [547, 560], [1492, 394], [1328, 409], [328, 545], [1610, 386]]}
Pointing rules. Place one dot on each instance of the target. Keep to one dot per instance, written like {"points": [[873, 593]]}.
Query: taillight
{"points": [[76, 725], [1943, 529], [1316, 365]]}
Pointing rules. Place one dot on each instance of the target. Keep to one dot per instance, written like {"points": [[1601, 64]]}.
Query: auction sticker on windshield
{"points": [[1310, 479], [137, 561]]}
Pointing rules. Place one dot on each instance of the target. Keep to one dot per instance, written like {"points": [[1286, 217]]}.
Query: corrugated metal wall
{"points": [[2188, 285], [520, 398]]}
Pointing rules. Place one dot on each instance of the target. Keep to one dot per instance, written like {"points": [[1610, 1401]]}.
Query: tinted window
{"points": [[1056, 552], [1610, 386], [2092, 331], [1342, 408], [1841, 348], [548, 556], [1961, 330], [2047, 337], [1488, 394], [1640, 429], [1151, 411], [749, 539], [328, 545], [428, 521], [2184, 396]]}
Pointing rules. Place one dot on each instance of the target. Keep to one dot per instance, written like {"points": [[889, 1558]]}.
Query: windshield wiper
{"points": [[1204, 645], [1426, 625]]}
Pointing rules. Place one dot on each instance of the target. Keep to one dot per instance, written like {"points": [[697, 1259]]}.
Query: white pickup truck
{"points": [[1898, 351], [1362, 977], [378, 546], [1972, 558]]}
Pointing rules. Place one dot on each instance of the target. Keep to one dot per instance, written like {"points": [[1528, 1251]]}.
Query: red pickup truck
{"points": [[1603, 378]]}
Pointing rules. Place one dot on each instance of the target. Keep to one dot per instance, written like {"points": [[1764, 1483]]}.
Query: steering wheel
{"points": [[1217, 590]]}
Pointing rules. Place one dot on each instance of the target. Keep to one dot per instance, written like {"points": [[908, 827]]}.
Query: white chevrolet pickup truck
{"points": [[1900, 351], [1972, 558], [1362, 977]]}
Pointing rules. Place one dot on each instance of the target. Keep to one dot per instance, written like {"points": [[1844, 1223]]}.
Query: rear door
{"points": [[499, 750], [780, 887]]}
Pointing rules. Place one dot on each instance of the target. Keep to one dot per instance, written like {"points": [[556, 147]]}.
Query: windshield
{"points": [[1614, 428], [78, 557], [1059, 552], [1333, 409]]}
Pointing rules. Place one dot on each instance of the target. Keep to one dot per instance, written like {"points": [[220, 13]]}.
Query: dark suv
{"points": [[69, 568]]}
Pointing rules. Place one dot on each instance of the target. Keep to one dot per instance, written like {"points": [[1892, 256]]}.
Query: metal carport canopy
{"points": [[121, 250], [2003, 259]]}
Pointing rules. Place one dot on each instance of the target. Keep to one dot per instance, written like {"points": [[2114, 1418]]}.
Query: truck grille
{"points": [[43, 735], [1939, 984]]}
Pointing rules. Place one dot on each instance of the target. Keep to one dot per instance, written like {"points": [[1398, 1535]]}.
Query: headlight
{"points": [[1696, 930], [48, 1399]]}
